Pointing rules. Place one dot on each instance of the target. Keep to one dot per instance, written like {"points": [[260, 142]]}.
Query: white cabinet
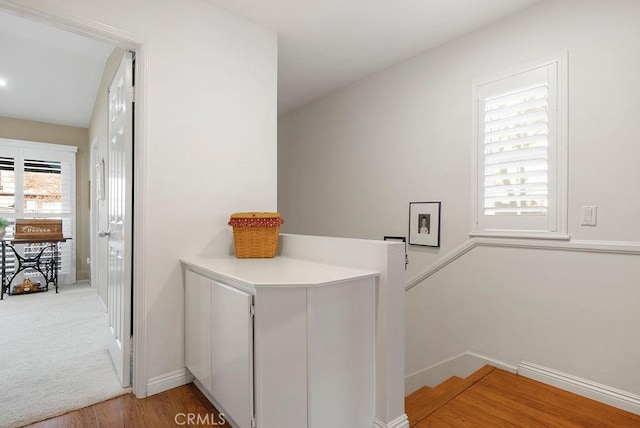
{"points": [[232, 352], [198, 327], [219, 344], [309, 360]]}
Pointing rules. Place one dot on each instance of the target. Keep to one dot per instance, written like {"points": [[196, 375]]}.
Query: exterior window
{"points": [[520, 153], [38, 181]]}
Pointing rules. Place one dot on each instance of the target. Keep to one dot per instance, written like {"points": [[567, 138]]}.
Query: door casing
{"points": [[125, 40]]}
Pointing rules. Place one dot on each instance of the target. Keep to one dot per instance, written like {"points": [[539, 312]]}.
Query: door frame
{"points": [[94, 218], [57, 18]]}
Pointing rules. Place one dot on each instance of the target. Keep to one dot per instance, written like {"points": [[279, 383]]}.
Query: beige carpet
{"points": [[53, 355]]}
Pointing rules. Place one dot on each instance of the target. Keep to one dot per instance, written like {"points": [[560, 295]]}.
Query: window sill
{"points": [[520, 235]]}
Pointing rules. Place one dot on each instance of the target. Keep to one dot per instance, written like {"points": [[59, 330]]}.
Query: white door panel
{"points": [[232, 351], [119, 202], [198, 327]]}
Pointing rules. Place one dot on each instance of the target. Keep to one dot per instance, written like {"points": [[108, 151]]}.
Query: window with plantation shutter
{"points": [[37, 180], [520, 177]]}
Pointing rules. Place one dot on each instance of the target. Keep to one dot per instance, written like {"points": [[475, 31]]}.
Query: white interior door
{"points": [[119, 188]]}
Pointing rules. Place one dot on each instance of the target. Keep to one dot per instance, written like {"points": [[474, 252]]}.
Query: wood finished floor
{"points": [[492, 398], [166, 409], [489, 398]]}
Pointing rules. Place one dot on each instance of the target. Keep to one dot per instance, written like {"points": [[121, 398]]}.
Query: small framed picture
{"points": [[424, 224]]}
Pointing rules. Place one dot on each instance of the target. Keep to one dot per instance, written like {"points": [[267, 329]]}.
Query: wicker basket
{"points": [[256, 234]]}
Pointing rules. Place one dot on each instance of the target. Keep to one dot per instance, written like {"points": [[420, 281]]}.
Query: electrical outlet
{"points": [[589, 215], [88, 260]]}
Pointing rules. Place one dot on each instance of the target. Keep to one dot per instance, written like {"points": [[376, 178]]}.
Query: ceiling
{"points": [[327, 44], [53, 76]]}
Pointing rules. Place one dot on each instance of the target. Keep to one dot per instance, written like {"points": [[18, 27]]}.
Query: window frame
{"points": [[63, 153], [559, 151]]}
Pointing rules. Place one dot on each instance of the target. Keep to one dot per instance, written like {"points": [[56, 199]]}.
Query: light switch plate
{"points": [[589, 215]]}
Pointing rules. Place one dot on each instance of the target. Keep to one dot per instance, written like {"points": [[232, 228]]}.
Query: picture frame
{"points": [[100, 183], [424, 223]]}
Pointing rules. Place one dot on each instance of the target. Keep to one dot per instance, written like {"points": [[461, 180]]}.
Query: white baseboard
{"points": [[586, 388], [168, 381], [400, 422], [104, 305], [461, 365]]}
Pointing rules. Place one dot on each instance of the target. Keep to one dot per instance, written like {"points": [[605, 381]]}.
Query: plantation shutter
{"points": [[7, 182], [516, 151], [38, 181]]}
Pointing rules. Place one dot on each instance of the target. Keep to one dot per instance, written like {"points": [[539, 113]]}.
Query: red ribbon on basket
{"points": [[256, 222]]}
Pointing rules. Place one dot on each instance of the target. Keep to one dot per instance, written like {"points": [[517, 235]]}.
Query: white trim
{"points": [[167, 381], [93, 214], [560, 193], [586, 388], [52, 15], [399, 422], [519, 235], [36, 145], [562, 146], [442, 262], [104, 305], [56, 17], [613, 247], [140, 224], [461, 365], [477, 359], [513, 71]]}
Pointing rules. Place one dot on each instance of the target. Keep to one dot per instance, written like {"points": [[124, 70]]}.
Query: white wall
{"points": [[210, 129], [574, 312], [350, 163]]}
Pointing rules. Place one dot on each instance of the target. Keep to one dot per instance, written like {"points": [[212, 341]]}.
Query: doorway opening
{"points": [[89, 226]]}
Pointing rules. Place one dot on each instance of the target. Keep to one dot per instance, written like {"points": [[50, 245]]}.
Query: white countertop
{"points": [[276, 272]]}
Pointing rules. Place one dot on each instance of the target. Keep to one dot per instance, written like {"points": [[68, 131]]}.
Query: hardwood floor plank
{"points": [[111, 412], [417, 395], [487, 410], [489, 398], [182, 406], [502, 399], [83, 418], [451, 415], [196, 403], [416, 403], [563, 404], [142, 412], [418, 413]]}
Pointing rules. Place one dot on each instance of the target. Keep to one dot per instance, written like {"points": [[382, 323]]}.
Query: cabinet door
{"points": [[232, 352], [341, 354], [198, 327]]}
